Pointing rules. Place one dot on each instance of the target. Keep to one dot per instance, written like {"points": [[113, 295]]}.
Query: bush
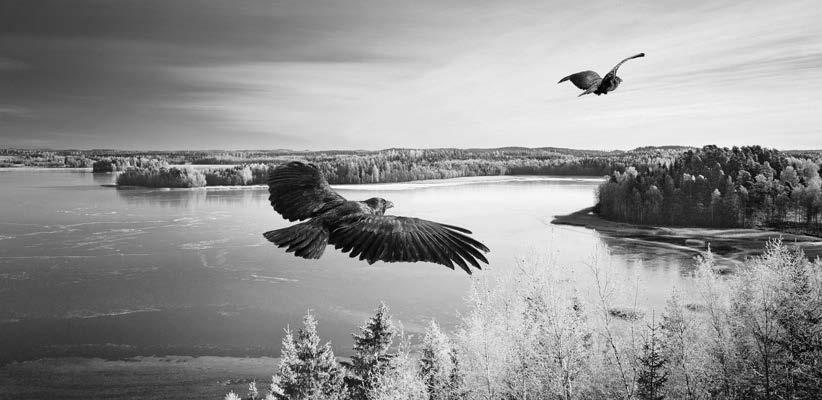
{"points": [[626, 313]]}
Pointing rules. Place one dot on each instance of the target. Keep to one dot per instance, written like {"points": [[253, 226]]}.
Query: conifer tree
{"points": [[253, 393], [371, 353], [439, 366], [402, 381], [652, 373], [307, 370]]}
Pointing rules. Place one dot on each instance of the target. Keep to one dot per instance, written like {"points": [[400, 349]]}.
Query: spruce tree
{"points": [[439, 366], [253, 393], [652, 373], [371, 353], [456, 378], [307, 370]]}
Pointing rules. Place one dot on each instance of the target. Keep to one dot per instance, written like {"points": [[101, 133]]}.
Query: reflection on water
{"points": [[93, 270]]}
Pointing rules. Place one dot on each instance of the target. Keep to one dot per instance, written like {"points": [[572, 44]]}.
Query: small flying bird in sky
{"points": [[298, 191], [590, 82]]}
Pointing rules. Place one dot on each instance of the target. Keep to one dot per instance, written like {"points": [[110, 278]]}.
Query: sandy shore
{"points": [[734, 244]]}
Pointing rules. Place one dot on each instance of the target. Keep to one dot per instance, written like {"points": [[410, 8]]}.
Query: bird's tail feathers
{"points": [[306, 240]]}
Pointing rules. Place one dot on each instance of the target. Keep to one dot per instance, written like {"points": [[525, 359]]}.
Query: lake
{"points": [[88, 270]]}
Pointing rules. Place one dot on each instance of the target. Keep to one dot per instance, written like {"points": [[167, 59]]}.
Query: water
{"points": [[89, 270]]}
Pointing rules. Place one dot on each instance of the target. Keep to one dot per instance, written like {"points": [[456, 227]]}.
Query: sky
{"points": [[357, 74]]}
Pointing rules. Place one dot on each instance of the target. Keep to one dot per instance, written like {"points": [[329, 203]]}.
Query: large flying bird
{"points": [[590, 82], [299, 191]]}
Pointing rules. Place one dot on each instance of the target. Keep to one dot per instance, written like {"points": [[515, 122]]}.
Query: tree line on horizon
{"points": [[719, 187], [386, 166], [755, 334], [358, 166]]}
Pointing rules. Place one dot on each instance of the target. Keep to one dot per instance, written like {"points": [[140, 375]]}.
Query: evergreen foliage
{"points": [[371, 353], [439, 366], [307, 370], [652, 373], [719, 187], [401, 381]]}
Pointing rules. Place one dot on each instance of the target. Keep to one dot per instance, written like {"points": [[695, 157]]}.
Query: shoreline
{"points": [[182, 377], [392, 186], [734, 243]]}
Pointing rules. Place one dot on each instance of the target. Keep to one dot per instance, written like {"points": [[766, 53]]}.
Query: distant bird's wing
{"points": [[391, 238], [583, 80], [613, 70], [299, 191]]}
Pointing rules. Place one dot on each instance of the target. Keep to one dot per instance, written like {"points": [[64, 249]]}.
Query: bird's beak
{"points": [[388, 204]]}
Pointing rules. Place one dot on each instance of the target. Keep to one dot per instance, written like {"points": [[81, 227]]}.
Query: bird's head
{"points": [[610, 85], [379, 205]]}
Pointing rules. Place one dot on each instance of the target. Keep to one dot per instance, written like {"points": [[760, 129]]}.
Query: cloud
{"points": [[13, 112], [374, 74]]}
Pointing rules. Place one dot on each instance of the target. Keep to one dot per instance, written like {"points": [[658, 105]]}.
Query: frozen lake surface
{"points": [[88, 270]]}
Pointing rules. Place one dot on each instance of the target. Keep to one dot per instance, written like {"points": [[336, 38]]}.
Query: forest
{"points": [[44, 159], [719, 187], [529, 334], [391, 165], [394, 165]]}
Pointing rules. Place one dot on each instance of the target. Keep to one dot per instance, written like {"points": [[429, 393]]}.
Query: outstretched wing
{"points": [[391, 238], [583, 80], [613, 71], [299, 191]]}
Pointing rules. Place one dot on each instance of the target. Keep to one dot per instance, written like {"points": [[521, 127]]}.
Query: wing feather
{"points": [[583, 80], [433, 251], [414, 246], [613, 70], [465, 251], [457, 228], [439, 247], [471, 248], [391, 238], [299, 191]]}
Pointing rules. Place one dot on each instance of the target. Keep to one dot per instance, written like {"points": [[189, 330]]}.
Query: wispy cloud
{"points": [[372, 74]]}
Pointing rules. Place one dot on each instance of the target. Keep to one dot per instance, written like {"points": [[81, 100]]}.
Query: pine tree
{"points": [[456, 378], [253, 394], [401, 381], [307, 369], [439, 366], [652, 373], [371, 353]]}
